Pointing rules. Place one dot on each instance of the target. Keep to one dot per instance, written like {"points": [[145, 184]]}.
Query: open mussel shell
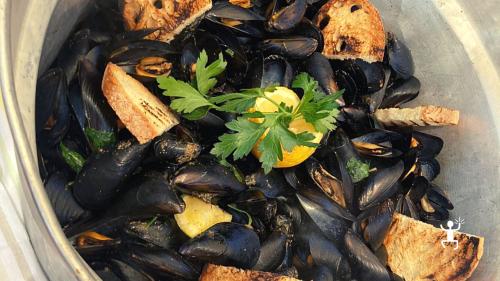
{"points": [[376, 150], [400, 92], [355, 121], [407, 207], [66, 208], [429, 146], [373, 74], [272, 252], [378, 136], [308, 29], [100, 178], [399, 57], [329, 184], [320, 69], [365, 265], [226, 10], [381, 185], [295, 47], [438, 196], [162, 262], [284, 17], [375, 99], [226, 244], [133, 52], [270, 70], [206, 175]]}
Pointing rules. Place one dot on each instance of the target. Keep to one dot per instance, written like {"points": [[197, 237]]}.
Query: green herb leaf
{"points": [[205, 75], [316, 108], [74, 160], [187, 99], [239, 143], [238, 102], [100, 139], [358, 170]]}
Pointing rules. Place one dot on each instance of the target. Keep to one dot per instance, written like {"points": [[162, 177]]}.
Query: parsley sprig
{"points": [[194, 100]]}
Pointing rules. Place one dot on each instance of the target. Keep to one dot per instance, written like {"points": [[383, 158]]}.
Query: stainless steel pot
{"points": [[456, 46]]}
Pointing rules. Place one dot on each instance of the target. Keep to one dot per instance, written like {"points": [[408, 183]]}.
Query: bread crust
{"points": [[427, 115], [351, 29], [415, 252], [213, 272], [171, 18], [142, 113]]}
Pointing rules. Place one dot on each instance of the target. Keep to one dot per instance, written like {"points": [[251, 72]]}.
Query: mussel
{"points": [[226, 244]]}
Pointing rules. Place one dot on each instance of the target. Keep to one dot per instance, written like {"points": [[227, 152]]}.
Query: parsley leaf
{"points": [[316, 108], [240, 143], [358, 170], [99, 139], [193, 102], [205, 74], [187, 99], [74, 159]]}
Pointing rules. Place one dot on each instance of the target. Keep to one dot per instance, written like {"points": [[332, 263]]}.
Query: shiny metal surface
{"points": [[456, 47]]}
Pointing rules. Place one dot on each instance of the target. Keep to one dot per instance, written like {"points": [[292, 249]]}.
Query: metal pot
{"points": [[456, 46]]}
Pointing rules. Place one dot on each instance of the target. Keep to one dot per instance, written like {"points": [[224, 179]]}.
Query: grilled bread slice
{"points": [[170, 16], [415, 252], [427, 115], [144, 115], [213, 272], [351, 29]]}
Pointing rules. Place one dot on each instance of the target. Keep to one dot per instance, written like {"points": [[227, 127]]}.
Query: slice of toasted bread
{"points": [[170, 16], [144, 115], [415, 252], [428, 115], [213, 272], [351, 29]]}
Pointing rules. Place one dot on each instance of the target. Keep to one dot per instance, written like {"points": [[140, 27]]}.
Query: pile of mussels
{"points": [[311, 221]]}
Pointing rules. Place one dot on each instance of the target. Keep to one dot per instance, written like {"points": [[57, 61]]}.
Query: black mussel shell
{"points": [[326, 253], [162, 262], [272, 252], [308, 29], [52, 113], [272, 184], [59, 192], [333, 227], [133, 52], [320, 69], [429, 169], [222, 9], [295, 47], [161, 232], [378, 224], [127, 272], [268, 71], [284, 18], [373, 73], [148, 195], [100, 178], [99, 114], [429, 146], [329, 184], [380, 185], [168, 148], [225, 244], [438, 196], [206, 175], [400, 92], [365, 265], [399, 57], [374, 100]]}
